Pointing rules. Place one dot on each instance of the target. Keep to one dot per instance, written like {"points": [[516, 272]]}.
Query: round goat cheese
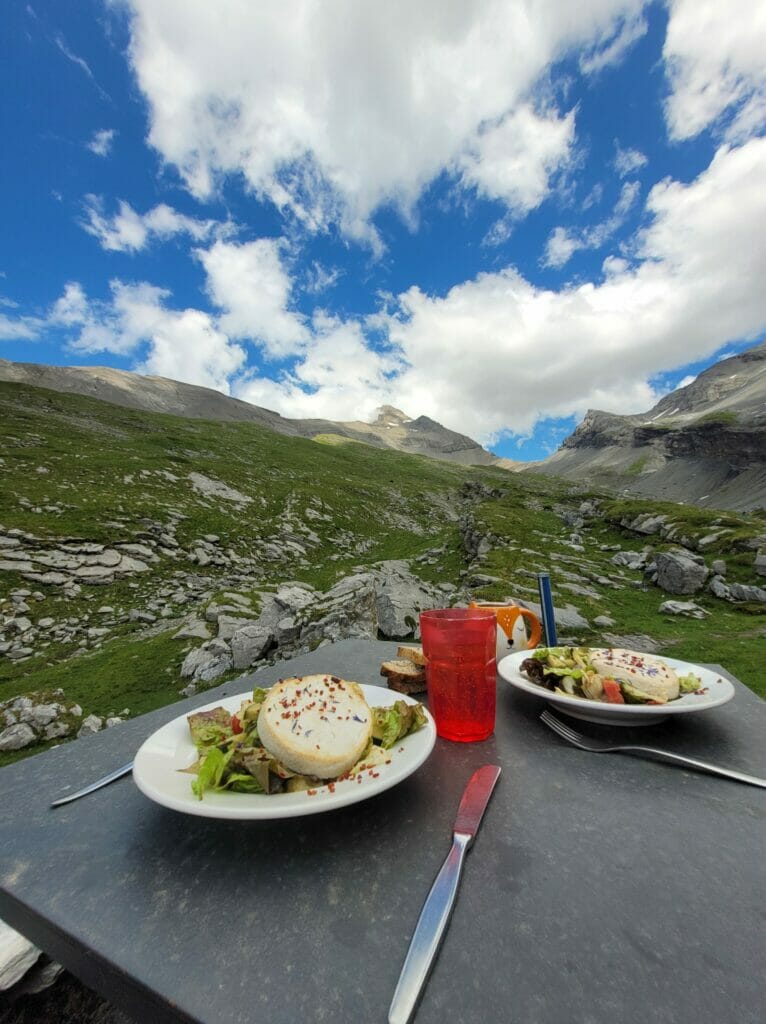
{"points": [[316, 725], [647, 674]]}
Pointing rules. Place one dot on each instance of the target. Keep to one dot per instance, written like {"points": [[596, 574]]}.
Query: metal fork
{"points": [[596, 747]]}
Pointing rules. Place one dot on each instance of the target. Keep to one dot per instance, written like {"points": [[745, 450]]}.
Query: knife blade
{"points": [[104, 781], [435, 915]]}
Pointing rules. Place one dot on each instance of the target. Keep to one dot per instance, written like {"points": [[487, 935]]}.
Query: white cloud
{"points": [[496, 353], [80, 63], [320, 278], [101, 141], [129, 231], [560, 247], [514, 158], [19, 328], [714, 56], [342, 108], [249, 283], [627, 161], [613, 44], [339, 377], [183, 344], [562, 244]]}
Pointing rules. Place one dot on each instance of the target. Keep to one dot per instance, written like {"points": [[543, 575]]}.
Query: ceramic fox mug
{"points": [[511, 630]]}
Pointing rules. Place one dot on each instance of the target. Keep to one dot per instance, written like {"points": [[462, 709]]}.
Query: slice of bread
{"points": [[404, 676], [316, 725], [413, 654]]}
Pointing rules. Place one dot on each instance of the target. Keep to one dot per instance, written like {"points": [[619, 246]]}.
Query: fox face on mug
{"points": [[513, 634]]}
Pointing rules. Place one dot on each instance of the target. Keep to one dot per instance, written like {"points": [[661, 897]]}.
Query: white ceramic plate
{"points": [[157, 763], [715, 690]]}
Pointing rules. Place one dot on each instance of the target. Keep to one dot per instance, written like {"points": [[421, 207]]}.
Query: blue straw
{"points": [[546, 607]]}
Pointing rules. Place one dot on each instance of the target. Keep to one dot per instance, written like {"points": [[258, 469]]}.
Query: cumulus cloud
{"points": [[501, 352], [19, 328], [562, 244], [250, 284], [339, 376], [345, 107], [714, 58], [513, 159], [182, 344], [129, 231], [101, 142]]}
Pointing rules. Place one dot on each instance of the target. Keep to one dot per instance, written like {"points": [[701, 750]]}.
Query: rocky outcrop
{"points": [[704, 443], [382, 602]]}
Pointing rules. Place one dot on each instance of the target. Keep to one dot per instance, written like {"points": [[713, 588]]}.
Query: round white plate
{"points": [[157, 763], [715, 689]]}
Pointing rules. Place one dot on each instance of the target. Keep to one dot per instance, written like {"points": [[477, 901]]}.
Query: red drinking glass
{"points": [[459, 645]]}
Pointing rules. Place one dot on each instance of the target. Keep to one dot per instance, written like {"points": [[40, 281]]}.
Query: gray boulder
{"points": [[742, 592], [399, 599], [207, 662], [228, 625], [686, 608], [16, 737], [632, 559], [680, 572], [251, 642]]}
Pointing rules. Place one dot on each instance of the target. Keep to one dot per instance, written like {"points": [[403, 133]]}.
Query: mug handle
{"points": [[506, 618]]}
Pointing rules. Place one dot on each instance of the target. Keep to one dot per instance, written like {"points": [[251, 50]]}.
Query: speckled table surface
{"points": [[600, 888]]}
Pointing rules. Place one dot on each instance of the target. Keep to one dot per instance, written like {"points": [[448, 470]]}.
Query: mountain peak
{"points": [[388, 416]]}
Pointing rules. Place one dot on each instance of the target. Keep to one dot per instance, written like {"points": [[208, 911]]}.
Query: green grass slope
{"points": [[74, 467]]}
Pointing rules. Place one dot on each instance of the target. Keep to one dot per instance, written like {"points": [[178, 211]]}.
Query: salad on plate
{"points": [[303, 733], [607, 675]]}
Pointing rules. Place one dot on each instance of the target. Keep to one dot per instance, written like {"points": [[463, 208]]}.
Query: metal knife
{"points": [[435, 915], [116, 774]]}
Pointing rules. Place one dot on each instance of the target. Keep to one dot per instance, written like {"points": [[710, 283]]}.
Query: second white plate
{"points": [[714, 691]]}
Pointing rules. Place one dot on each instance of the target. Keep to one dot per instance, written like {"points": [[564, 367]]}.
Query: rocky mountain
{"points": [[391, 428], [704, 444]]}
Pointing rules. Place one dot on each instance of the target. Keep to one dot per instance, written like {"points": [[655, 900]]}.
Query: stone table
{"points": [[600, 888]]}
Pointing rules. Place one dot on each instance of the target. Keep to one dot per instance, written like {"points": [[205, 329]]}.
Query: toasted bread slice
{"points": [[404, 676], [316, 725], [413, 654]]}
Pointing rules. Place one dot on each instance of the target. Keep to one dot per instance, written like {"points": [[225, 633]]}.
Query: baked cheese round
{"points": [[318, 725], [647, 674]]}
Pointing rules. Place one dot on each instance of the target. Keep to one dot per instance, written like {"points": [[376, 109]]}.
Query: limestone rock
{"points": [[18, 736], [17, 955], [207, 662], [250, 642], [91, 725], [680, 572], [686, 608]]}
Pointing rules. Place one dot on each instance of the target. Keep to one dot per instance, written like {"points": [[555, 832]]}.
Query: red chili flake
{"points": [[331, 786], [375, 775], [311, 792]]}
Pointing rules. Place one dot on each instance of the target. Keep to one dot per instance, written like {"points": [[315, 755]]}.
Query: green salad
{"points": [[608, 675], [231, 756]]}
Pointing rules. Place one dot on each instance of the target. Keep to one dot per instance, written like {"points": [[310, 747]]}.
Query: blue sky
{"points": [[496, 214]]}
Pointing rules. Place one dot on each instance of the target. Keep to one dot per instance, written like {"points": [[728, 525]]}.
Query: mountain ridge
{"points": [[391, 429], [704, 443]]}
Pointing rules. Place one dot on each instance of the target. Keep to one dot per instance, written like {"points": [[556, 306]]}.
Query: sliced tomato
{"points": [[612, 692], [236, 725]]}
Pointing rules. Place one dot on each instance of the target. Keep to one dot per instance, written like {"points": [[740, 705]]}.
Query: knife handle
{"points": [[429, 931]]}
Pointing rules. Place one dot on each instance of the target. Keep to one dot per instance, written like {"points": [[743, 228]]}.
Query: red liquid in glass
{"points": [[460, 674], [462, 697]]}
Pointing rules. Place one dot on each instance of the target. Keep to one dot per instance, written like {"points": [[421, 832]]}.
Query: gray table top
{"points": [[600, 888]]}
